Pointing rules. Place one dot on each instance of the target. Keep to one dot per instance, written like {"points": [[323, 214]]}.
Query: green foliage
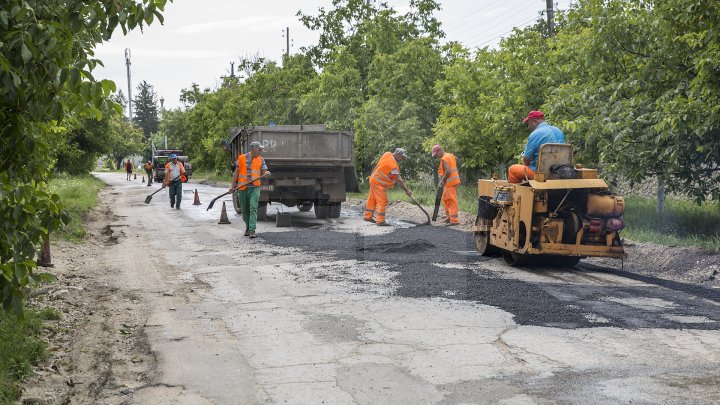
{"points": [[639, 89], [46, 60], [79, 195], [682, 222], [21, 346], [145, 107]]}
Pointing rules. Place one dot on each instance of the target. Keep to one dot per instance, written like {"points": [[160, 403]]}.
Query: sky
{"points": [[200, 38]]}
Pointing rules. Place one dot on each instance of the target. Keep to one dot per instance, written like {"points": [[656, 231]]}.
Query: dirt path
{"points": [[163, 306]]}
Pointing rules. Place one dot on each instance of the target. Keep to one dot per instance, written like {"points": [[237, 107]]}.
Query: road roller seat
{"points": [[551, 154]]}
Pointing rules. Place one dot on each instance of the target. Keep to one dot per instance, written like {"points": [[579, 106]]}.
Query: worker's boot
{"points": [[247, 232], [383, 224]]}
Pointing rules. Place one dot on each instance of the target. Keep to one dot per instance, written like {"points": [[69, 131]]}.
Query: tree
{"points": [[46, 50], [644, 89], [146, 109]]}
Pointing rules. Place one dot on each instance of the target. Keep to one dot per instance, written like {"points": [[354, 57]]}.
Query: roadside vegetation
{"points": [[21, 346], [78, 194]]}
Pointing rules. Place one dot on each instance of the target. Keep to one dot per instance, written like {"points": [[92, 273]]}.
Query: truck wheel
{"points": [[321, 209], [306, 206], [334, 211], [236, 205], [262, 211]]}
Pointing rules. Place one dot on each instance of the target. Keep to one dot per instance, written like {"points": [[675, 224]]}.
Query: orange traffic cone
{"points": [[197, 198], [223, 216], [45, 259]]}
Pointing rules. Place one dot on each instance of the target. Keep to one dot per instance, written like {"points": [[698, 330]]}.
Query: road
{"points": [[343, 312]]}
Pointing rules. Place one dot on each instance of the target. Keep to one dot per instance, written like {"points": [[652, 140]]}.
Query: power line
{"points": [[497, 24], [489, 28], [521, 26]]}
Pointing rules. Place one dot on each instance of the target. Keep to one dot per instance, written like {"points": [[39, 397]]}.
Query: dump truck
{"points": [[563, 214], [161, 157], [312, 167]]}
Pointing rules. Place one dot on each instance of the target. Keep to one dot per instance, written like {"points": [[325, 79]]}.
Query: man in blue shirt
{"points": [[540, 134]]}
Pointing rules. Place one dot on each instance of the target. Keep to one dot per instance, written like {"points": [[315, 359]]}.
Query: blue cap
{"points": [[173, 156]]}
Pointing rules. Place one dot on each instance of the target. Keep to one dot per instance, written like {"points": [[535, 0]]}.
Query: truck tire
{"points": [[306, 206], [236, 205], [262, 211], [322, 209], [334, 211]]}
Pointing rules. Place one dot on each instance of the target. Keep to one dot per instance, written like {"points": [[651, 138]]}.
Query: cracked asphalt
{"points": [[343, 312]]}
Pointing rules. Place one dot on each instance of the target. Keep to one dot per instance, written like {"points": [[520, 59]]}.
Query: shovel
{"points": [[438, 199], [423, 210], [149, 198], [235, 189]]}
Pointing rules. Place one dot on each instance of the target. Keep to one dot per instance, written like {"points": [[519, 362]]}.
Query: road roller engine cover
{"points": [[565, 213]]}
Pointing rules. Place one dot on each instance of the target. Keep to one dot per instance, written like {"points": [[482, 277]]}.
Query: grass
{"points": [[683, 223], [211, 176], [79, 195], [21, 346]]}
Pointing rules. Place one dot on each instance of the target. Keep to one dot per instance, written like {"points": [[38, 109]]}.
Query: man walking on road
{"points": [[174, 178], [385, 175], [540, 134], [249, 166], [148, 170], [450, 179], [129, 168]]}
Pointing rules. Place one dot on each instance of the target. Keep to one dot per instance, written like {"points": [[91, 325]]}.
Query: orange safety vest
{"points": [[182, 171], [454, 178], [128, 165], [381, 175], [255, 170]]}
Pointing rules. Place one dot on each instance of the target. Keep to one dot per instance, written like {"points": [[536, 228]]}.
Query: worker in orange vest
{"points": [[250, 166], [450, 179], [174, 178], [385, 175], [129, 167]]}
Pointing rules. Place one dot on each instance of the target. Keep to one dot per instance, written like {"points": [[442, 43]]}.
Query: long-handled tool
{"points": [[438, 199], [423, 210], [149, 198], [235, 189]]}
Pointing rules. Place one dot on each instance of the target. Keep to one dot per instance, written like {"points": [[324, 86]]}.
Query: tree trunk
{"points": [[660, 195]]}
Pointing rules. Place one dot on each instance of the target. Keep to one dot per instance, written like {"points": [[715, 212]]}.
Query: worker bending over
{"points": [[385, 175], [450, 179], [540, 134]]}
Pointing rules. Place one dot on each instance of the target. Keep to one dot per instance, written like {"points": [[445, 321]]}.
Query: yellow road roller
{"points": [[563, 214]]}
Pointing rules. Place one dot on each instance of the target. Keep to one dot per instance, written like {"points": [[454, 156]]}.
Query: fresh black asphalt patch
{"points": [[413, 253]]}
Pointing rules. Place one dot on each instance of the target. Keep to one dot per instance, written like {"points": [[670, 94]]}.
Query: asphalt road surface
{"points": [[344, 312]]}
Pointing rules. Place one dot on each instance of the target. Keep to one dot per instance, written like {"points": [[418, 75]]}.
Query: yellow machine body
{"points": [[566, 218]]}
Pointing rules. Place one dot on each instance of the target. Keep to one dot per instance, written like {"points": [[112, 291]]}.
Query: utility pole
{"points": [[287, 41], [232, 69], [550, 17], [127, 62]]}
